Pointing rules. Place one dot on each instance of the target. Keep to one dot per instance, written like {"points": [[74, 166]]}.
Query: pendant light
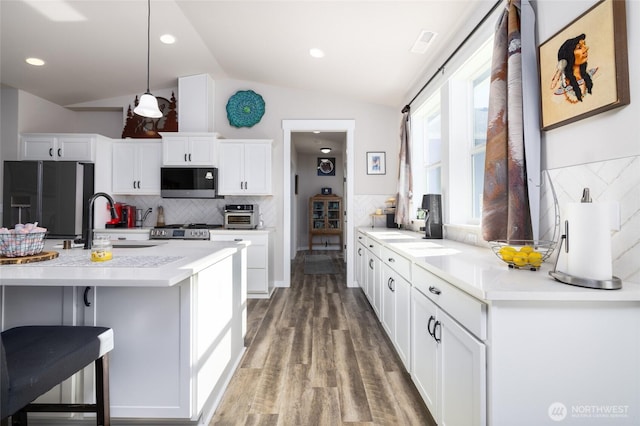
{"points": [[148, 104]]}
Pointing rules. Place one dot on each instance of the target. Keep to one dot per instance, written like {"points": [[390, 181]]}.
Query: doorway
{"points": [[292, 126]]}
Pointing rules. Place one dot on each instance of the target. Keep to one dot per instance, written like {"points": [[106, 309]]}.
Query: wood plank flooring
{"points": [[317, 355]]}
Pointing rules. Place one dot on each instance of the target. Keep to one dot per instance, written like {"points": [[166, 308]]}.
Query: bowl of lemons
{"points": [[523, 254]]}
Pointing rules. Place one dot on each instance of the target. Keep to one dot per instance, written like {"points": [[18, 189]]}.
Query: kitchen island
{"points": [[489, 345], [178, 311]]}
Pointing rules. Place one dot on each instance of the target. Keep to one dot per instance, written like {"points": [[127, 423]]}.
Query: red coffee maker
{"points": [[115, 223]]}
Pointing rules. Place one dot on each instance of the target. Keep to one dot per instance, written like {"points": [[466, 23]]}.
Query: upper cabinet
{"points": [[59, 147], [195, 101], [136, 167], [188, 149], [244, 167]]}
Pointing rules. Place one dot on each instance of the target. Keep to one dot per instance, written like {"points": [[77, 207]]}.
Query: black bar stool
{"points": [[37, 358]]}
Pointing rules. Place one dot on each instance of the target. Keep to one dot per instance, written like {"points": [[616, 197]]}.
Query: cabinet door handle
{"points": [[431, 319], [50, 152], [437, 328], [390, 284], [86, 296], [371, 263], [434, 290], [185, 157], [138, 184], [359, 252], [59, 152], [246, 185], [189, 157]]}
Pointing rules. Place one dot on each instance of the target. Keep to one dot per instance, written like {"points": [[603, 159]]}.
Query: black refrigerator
{"points": [[53, 193]]}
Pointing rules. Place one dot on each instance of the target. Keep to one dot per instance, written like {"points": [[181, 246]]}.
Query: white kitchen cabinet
{"points": [[195, 98], [374, 278], [396, 300], [136, 168], [174, 346], [360, 262], [59, 146], [259, 259], [189, 149], [449, 365], [245, 167]]}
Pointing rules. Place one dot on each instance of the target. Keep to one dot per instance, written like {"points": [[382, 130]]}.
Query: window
{"points": [[449, 132]]}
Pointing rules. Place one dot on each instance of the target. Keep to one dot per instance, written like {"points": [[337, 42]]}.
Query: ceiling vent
{"points": [[423, 41]]}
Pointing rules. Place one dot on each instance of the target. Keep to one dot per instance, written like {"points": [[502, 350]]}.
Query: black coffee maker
{"points": [[432, 206]]}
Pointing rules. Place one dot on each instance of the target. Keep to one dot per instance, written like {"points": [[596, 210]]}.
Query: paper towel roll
{"points": [[589, 240]]}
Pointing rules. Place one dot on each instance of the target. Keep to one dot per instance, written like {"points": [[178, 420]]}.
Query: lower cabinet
{"points": [[373, 277], [448, 365], [396, 314], [259, 260]]}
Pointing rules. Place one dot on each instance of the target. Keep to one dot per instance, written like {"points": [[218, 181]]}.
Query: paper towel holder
{"points": [[614, 283]]}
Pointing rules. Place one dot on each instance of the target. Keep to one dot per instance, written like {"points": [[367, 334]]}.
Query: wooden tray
{"points": [[45, 255]]}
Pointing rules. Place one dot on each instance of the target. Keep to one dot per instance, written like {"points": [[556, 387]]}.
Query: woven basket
{"points": [[19, 244]]}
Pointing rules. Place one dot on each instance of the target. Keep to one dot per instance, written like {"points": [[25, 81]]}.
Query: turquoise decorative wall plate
{"points": [[245, 108]]}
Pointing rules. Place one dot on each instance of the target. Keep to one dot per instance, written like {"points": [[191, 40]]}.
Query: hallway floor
{"points": [[317, 355]]}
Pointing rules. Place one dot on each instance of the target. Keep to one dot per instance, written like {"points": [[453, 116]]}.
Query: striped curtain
{"points": [[505, 208], [405, 181]]}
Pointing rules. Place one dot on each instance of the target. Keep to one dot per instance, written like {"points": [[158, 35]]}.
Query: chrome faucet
{"points": [[114, 215]]}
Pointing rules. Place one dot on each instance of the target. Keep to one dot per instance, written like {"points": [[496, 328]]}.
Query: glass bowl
{"points": [[523, 254]]}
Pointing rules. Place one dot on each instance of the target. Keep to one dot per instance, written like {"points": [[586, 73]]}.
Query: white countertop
{"points": [[165, 264], [478, 271]]}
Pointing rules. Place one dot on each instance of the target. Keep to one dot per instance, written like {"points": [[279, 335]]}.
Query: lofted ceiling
{"points": [[96, 49]]}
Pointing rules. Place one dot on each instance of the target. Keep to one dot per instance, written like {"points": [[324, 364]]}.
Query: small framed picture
{"points": [[376, 163]]}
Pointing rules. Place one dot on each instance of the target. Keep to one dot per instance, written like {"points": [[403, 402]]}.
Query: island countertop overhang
{"points": [[184, 259]]}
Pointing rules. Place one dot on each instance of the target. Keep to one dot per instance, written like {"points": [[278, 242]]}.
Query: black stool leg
{"points": [[103, 414]]}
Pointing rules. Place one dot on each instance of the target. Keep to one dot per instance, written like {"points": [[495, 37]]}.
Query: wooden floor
{"points": [[317, 355]]}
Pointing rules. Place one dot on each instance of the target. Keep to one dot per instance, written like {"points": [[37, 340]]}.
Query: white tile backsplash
{"points": [[189, 210]]}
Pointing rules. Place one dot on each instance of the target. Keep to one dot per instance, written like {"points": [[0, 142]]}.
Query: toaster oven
{"points": [[241, 216]]}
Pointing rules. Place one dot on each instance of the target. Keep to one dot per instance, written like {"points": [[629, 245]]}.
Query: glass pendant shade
{"points": [[148, 106]]}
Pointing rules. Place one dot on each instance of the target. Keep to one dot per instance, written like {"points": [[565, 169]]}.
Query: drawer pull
{"points": [[86, 296], [370, 245], [434, 290], [437, 327], [237, 239], [391, 259], [431, 320]]}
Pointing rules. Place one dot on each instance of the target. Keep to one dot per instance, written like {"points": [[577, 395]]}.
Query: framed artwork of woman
{"points": [[583, 68]]}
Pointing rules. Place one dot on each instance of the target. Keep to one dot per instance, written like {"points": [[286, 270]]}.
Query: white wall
{"points": [[604, 136]]}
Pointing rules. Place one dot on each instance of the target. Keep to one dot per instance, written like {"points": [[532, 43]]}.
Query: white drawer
{"points": [[464, 308], [374, 246], [257, 255], [361, 237], [397, 262]]}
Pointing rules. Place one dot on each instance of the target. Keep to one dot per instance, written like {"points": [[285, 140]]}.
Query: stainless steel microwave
{"points": [[188, 182]]}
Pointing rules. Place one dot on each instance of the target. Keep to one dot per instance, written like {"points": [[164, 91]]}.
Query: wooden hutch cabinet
{"points": [[325, 217]]}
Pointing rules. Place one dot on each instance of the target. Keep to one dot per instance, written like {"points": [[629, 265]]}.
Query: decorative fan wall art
{"points": [[245, 108]]}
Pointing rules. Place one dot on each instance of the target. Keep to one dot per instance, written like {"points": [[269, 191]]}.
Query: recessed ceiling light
{"points": [[316, 53], [325, 150], [35, 61], [167, 39]]}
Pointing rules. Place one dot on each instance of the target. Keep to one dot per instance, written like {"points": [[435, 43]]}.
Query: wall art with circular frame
{"points": [[245, 108]]}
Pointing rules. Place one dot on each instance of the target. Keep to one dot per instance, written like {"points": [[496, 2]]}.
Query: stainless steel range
{"points": [[189, 231]]}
